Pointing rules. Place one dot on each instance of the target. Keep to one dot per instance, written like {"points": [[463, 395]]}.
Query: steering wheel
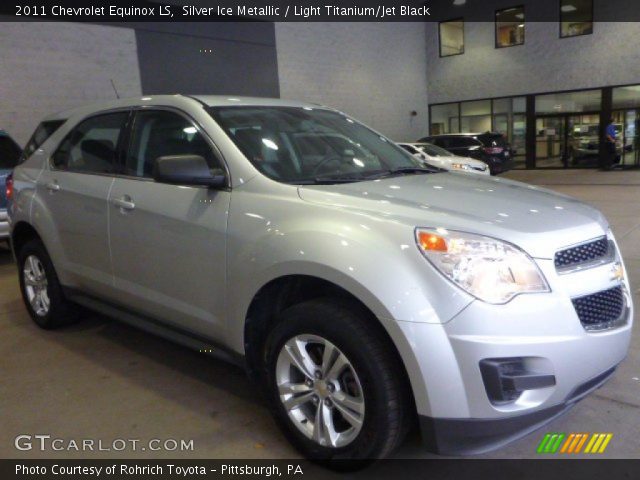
{"points": [[325, 161]]}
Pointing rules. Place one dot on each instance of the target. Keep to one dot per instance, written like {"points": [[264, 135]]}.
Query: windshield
{"points": [[434, 150], [304, 145]]}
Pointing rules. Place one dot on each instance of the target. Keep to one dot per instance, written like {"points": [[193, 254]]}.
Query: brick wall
{"points": [[375, 72], [49, 67], [544, 63]]}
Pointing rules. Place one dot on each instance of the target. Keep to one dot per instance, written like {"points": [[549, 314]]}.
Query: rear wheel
{"points": [[334, 384], [41, 290]]}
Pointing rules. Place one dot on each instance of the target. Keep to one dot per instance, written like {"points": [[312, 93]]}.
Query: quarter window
{"points": [[91, 147], [42, 133], [162, 133]]}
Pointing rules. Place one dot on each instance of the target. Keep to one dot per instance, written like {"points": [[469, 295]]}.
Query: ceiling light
{"points": [[568, 8], [459, 2]]}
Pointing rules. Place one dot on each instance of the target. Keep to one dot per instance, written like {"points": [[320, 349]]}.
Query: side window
{"points": [[91, 147], [161, 133], [42, 133]]}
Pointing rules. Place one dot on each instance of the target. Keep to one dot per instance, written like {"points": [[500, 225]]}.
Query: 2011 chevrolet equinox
{"points": [[363, 291]]}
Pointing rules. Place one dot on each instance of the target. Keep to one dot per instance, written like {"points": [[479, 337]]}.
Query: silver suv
{"points": [[365, 293]]}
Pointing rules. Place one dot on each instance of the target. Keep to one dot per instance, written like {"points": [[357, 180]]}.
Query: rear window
{"points": [[42, 133], [9, 152], [492, 140], [459, 142]]}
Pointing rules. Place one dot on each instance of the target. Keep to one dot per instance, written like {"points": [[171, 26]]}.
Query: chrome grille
{"points": [[583, 254], [602, 310]]}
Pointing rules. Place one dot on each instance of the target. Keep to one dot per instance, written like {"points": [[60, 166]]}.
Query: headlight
{"points": [[487, 268], [460, 166]]}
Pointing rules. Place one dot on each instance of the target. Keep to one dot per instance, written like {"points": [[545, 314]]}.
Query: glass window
{"points": [[434, 150], [475, 116], [160, 133], [510, 27], [445, 119], [303, 145], [586, 101], [626, 97], [9, 152], [91, 147], [42, 133], [576, 17], [451, 38]]}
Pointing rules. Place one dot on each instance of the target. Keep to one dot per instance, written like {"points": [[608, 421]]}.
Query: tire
{"points": [[38, 276], [373, 381]]}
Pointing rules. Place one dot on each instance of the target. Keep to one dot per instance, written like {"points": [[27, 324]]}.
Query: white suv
{"points": [[364, 292]]}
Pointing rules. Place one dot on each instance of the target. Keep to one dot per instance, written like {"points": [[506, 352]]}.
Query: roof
{"points": [[177, 100], [470, 134]]}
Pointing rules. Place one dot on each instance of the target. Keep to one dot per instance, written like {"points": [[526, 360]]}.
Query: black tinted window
{"points": [[42, 133], [492, 140], [162, 133], [9, 152], [91, 147], [462, 142]]}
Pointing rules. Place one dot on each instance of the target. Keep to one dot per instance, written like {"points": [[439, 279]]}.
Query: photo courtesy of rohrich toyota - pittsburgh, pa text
{"points": [[321, 239]]}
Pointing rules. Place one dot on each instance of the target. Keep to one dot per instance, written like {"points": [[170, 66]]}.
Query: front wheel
{"points": [[334, 384]]}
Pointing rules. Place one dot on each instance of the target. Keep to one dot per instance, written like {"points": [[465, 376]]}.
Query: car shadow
{"points": [[124, 351]]}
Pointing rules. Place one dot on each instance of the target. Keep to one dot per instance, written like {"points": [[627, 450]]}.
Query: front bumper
{"points": [[457, 414], [454, 436]]}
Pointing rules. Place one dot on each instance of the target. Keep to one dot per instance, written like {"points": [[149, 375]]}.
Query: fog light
{"points": [[505, 379]]}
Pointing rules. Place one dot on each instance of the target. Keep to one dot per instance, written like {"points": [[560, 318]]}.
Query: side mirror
{"points": [[186, 170]]}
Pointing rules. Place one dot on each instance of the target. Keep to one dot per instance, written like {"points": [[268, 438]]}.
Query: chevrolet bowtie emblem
{"points": [[617, 273]]}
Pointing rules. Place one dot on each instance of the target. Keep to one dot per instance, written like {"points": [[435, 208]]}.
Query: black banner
{"points": [[459, 469], [303, 10]]}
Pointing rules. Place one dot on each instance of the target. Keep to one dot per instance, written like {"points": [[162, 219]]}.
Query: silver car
{"points": [[365, 293], [441, 158]]}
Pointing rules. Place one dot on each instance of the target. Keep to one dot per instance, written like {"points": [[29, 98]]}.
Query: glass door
{"points": [[583, 141], [551, 140]]}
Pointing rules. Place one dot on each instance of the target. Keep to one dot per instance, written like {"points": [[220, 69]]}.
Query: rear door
{"points": [[75, 189], [169, 241]]}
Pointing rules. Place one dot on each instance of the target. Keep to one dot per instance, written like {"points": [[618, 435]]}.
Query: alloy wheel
{"points": [[320, 390], [36, 285]]}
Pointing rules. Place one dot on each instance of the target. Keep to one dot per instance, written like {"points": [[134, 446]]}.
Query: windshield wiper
{"points": [[328, 180], [405, 171]]}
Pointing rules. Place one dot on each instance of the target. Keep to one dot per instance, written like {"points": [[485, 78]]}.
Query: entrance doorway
{"points": [[568, 140]]}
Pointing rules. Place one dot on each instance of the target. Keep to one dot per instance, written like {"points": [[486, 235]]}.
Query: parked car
{"points": [[9, 155], [362, 297], [584, 143], [490, 147], [441, 158]]}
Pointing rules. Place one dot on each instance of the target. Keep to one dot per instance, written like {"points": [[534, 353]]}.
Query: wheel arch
{"points": [[287, 290]]}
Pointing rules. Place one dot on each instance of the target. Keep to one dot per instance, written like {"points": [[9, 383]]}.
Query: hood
{"points": [[535, 219]]}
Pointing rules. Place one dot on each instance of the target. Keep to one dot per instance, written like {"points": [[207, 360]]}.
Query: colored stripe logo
{"points": [[574, 443]]}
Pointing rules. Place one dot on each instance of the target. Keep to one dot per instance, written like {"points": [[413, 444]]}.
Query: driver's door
{"points": [[168, 242]]}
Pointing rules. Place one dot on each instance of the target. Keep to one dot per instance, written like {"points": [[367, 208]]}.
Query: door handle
{"points": [[124, 203], [53, 186]]}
